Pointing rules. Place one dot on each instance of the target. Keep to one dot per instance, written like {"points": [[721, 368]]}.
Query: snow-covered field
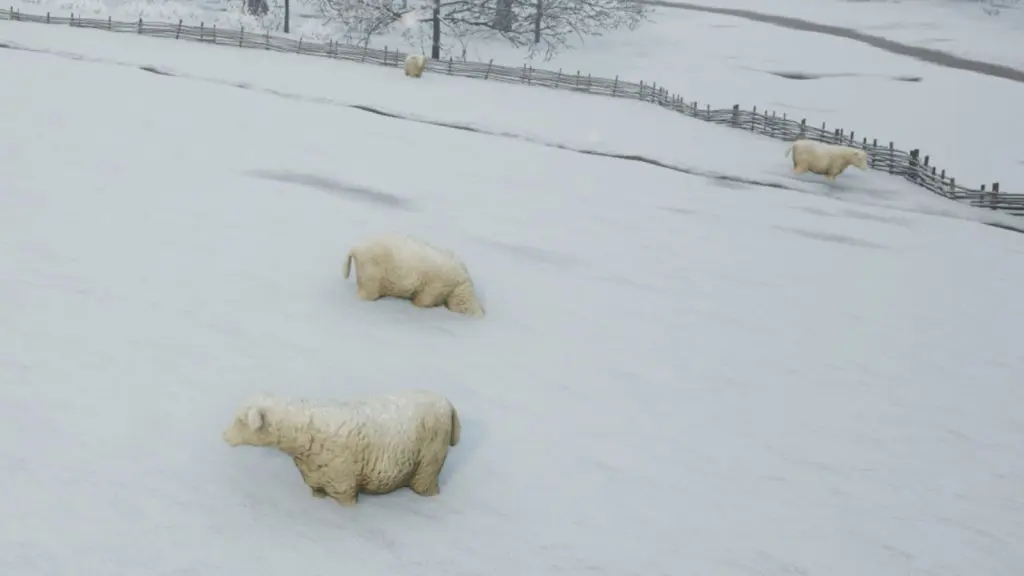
{"points": [[677, 373], [962, 120], [986, 30]]}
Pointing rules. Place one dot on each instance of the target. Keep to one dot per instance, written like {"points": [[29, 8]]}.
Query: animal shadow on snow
{"points": [[831, 237], [336, 188]]}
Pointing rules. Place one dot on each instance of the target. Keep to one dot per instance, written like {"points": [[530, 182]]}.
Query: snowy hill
{"points": [[677, 374]]}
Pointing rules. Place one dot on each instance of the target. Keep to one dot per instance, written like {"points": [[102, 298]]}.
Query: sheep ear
{"points": [[257, 417]]}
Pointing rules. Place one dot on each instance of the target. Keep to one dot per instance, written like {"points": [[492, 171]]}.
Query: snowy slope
{"points": [[676, 375], [985, 30], [559, 119], [962, 120]]}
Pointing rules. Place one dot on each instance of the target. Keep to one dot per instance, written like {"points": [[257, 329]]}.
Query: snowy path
{"points": [[938, 57]]}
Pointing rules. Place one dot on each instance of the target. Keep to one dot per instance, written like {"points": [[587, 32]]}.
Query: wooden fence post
{"points": [[736, 115], [615, 85], [177, 34], [449, 65], [140, 25], [110, 21], [298, 48], [241, 35], [913, 166], [266, 45], [386, 56], [202, 31], [47, 17], [753, 119], [214, 33], [892, 156], [487, 74]]}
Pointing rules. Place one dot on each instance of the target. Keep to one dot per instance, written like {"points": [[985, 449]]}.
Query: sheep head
{"points": [[250, 426]]}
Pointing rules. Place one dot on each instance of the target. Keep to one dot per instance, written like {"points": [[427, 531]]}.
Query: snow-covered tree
{"points": [[542, 26]]}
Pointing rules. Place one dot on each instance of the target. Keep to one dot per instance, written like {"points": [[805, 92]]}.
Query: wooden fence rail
{"points": [[884, 156]]}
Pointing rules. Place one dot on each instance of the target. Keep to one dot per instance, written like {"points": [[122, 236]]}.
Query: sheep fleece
{"points": [[829, 160], [404, 267], [373, 445], [414, 64]]}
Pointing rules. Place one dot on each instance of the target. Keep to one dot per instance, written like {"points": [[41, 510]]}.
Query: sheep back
{"points": [[404, 267]]}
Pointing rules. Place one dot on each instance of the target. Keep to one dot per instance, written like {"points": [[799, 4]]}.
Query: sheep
{"points": [[405, 267], [414, 64], [827, 159], [372, 445]]}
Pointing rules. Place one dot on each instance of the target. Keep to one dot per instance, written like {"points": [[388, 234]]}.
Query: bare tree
{"points": [[542, 26], [255, 7]]}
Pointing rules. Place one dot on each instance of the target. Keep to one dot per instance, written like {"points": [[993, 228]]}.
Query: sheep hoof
{"points": [[431, 489], [346, 501]]}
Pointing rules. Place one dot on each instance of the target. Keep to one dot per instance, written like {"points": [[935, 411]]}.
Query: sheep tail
{"points": [[456, 428], [348, 262], [788, 150]]}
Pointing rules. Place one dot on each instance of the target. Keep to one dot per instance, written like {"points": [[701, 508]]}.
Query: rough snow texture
{"points": [[414, 64], [405, 267], [374, 445], [678, 375], [828, 160]]}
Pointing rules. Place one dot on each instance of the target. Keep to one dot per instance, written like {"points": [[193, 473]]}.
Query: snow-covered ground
{"points": [[960, 119], [677, 374], [986, 30]]}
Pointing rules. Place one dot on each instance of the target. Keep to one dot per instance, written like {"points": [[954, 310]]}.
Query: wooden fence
{"points": [[885, 157]]}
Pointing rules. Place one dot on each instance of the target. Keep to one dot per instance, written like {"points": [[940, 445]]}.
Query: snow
{"points": [[676, 373], [985, 30], [960, 119]]}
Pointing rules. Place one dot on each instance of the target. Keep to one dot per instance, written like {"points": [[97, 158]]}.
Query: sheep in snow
{"points": [[373, 445], [414, 64], [404, 267], [827, 159]]}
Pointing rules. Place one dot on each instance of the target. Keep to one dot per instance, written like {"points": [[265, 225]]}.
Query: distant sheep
{"points": [[414, 64], [827, 159], [404, 267], [373, 445]]}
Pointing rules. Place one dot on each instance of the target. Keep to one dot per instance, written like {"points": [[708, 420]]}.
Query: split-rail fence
{"points": [[884, 156]]}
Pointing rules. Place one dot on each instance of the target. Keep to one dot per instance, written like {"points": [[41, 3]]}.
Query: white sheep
{"points": [[827, 159], [405, 267], [373, 445], [414, 64]]}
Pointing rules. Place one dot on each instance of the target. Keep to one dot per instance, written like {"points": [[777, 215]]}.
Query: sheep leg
{"points": [[318, 492], [425, 481], [426, 298], [346, 493], [368, 290]]}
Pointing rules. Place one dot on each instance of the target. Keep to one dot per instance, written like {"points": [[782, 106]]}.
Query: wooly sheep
{"points": [[373, 445], [414, 64], [827, 159], [404, 267]]}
